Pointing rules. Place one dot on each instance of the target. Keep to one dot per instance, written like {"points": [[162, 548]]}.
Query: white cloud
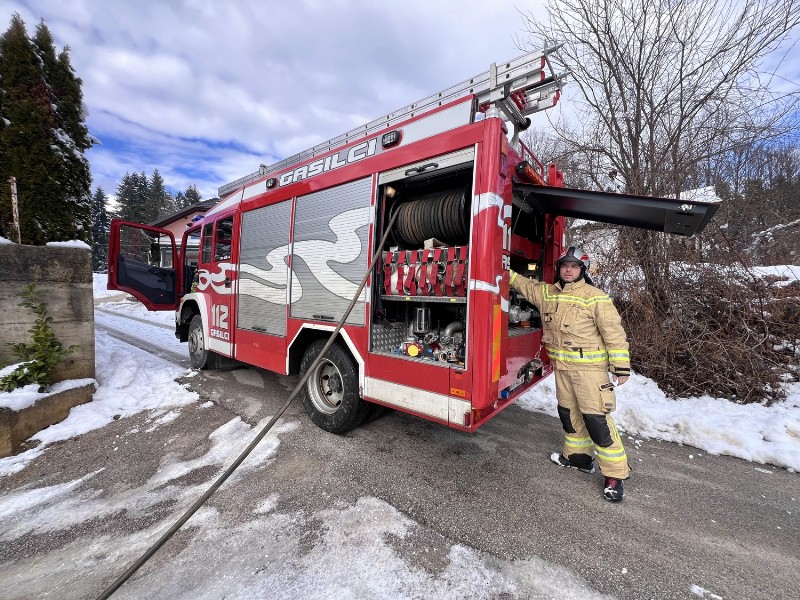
{"points": [[165, 81], [168, 78]]}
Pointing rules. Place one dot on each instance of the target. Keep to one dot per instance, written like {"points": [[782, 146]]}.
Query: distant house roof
{"points": [[200, 207]]}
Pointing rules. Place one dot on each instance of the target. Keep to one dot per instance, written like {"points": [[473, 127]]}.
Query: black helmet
{"points": [[577, 255]]}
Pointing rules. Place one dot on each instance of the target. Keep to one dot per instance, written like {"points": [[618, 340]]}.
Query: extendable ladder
{"points": [[516, 89]]}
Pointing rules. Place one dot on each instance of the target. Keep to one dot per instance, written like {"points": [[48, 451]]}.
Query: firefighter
{"points": [[587, 345]]}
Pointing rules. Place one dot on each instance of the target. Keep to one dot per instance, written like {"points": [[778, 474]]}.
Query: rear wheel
{"points": [[330, 396], [198, 355]]}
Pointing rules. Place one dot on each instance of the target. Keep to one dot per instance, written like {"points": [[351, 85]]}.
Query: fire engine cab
{"points": [[436, 332]]}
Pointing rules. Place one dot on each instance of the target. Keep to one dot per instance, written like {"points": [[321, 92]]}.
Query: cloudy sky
{"points": [[206, 90]]}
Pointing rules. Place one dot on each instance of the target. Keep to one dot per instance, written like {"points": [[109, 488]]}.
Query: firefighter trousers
{"points": [[586, 400]]}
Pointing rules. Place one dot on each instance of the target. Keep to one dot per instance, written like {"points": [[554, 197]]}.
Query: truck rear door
{"points": [[143, 262]]}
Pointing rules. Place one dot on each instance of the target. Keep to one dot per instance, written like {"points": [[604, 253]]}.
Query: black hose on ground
{"points": [[222, 478]]}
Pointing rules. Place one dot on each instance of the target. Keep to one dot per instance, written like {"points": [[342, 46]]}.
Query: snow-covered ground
{"points": [[131, 381]]}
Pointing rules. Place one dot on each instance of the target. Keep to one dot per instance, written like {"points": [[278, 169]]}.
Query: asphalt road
{"points": [[712, 521], [726, 525]]}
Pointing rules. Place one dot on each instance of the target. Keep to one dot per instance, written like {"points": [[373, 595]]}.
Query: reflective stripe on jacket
{"points": [[581, 328]]}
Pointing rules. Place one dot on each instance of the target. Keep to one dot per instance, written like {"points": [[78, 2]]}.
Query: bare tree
{"points": [[665, 85], [667, 89]]}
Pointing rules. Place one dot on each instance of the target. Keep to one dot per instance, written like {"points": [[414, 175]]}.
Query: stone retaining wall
{"points": [[65, 273], [16, 426]]}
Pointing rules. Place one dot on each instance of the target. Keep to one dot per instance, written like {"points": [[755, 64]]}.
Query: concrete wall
{"points": [[66, 275], [17, 426]]}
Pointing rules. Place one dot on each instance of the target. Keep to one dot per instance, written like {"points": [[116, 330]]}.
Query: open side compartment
{"points": [[420, 296], [527, 257], [523, 347]]}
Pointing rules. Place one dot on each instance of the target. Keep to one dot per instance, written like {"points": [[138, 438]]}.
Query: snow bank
{"points": [[754, 432]]}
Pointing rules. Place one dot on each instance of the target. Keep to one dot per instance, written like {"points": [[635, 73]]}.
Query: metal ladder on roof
{"points": [[515, 89]]}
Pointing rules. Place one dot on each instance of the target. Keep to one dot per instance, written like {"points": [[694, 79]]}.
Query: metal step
{"points": [[518, 87]]}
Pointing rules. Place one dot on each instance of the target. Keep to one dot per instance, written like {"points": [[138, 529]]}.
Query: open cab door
{"points": [[681, 217], [142, 262]]}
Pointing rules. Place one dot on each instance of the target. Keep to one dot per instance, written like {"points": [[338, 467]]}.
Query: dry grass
{"points": [[725, 333]]}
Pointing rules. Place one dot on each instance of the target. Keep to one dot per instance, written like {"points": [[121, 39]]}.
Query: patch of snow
{"points": [[706, 195], [220, 451], [29, 500], [69, 384], [136, 310], [28, 395], [267, 506], [787, 273], [351, 557], [704, 593], [163, 420], [768, 233], [9, 369], [71, 244], [50, 509], [100, 287]]}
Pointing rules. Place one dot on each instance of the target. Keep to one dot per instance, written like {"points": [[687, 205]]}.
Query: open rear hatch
{"points": [[681, 217]]}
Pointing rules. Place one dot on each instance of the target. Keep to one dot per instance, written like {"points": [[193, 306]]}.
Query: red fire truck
{"points": [[267, 274]]}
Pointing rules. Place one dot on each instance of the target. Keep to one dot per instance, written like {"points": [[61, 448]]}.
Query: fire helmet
{"points": [[576, 255]]}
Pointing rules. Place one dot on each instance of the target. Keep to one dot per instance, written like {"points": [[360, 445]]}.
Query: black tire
{"points": [[330, 396], [198, 355]]}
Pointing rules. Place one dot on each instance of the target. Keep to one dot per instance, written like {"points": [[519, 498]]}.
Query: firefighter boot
{"points": [[613, 491], [584, 466]]}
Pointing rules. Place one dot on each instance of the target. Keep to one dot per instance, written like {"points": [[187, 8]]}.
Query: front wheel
{"points": [[199, 357], [330, 396]]}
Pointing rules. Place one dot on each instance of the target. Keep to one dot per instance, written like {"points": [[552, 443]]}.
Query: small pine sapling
{"points": [[43, 353]]}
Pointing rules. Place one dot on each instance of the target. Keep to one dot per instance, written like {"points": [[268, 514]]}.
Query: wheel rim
{"points": [[326, 388], [195, 340]]}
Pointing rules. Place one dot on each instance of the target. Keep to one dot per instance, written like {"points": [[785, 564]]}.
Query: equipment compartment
{"points": [[421, 286]]}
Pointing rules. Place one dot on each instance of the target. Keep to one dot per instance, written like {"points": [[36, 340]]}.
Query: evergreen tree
{"points": [[147, 210], [126, 198], [192, 196], [25, 146], [71, 135], [180, 201], [136, 200], [159, 197], [188, 198], [42, 139], [101, 222]]}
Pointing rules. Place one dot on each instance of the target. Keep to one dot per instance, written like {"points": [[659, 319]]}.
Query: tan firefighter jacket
{"points": [[581, 329]]}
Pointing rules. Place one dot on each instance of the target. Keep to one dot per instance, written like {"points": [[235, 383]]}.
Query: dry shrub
{"points": [[726, 333]]}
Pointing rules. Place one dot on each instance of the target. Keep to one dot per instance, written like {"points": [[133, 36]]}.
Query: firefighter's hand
{"points": [[619, 380]]}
